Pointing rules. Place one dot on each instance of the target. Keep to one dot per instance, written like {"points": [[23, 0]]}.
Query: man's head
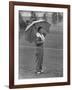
{"points": [[40, 29]]}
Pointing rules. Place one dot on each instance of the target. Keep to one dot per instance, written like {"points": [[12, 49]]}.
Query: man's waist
{"points": [[39, 44]]}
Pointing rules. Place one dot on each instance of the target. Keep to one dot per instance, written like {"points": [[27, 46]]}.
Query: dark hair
{"points": [[39, 29]]}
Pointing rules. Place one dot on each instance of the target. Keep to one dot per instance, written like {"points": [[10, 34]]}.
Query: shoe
{"points": [[38, 72], [42, 71]]}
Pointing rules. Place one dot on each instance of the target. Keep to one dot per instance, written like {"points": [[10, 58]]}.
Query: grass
{"points": [[53, 55]]}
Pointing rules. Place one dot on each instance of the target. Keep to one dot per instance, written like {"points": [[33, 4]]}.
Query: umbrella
{"points": [[31, 29]]}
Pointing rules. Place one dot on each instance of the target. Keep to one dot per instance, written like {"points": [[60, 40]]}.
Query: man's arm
{"points": [[44, 34], [38, 41]]}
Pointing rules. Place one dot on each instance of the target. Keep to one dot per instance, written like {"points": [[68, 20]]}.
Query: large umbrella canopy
{"points": [[30, 31]]}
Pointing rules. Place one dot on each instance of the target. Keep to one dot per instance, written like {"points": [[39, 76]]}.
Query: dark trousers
{"points": [[39, 58]]}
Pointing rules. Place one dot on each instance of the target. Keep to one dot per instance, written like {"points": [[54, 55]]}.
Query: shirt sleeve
{"points": [[37, 34], [37, 40]]}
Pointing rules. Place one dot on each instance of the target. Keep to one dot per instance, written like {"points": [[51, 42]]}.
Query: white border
{"points": [[16, 52]]}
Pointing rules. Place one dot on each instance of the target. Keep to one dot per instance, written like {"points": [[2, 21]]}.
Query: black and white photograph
{"points": [[40, 45]]}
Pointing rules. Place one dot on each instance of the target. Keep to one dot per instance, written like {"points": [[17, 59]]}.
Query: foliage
{"points": [[45, 16], [33, 17], [22, 23], [56, 17]]}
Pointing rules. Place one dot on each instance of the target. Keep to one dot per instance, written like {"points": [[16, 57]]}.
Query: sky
{"points": [[28, 13]]}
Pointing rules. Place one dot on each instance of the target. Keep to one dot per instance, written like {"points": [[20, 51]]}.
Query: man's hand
{"points": [[44, 34]]}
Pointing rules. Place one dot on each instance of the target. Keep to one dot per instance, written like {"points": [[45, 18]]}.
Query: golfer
{"points": [[40, 39]]}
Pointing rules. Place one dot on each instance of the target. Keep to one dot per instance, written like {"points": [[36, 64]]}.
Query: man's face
{"points": [[41, 30]]}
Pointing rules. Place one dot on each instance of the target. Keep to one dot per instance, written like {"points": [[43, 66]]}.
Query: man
{"points": [[40, 39]]}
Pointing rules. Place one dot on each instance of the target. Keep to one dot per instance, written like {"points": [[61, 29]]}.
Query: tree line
{"points": [[56, 18]]}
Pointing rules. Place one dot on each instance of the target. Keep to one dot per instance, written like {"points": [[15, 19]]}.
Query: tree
{"points": [[54, 18], [33, 16], [22, 23], [57, 17], [60, 17], [45, 16]]}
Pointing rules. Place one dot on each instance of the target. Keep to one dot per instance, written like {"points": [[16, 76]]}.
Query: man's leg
{"points": [[39, 57]]}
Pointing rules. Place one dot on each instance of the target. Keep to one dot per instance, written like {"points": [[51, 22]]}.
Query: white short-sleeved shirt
{"points": [[41, 36]]}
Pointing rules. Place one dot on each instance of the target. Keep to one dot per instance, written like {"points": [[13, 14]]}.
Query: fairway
{"points": [[53, 56]]}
